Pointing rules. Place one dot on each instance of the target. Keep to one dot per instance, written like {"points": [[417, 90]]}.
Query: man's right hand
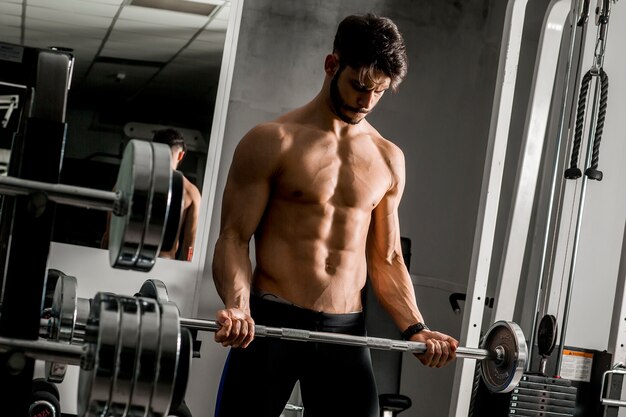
{"points": [[236, 328]]}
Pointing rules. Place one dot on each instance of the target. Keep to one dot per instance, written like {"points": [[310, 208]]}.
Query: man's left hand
{"points": [[440, 348]]}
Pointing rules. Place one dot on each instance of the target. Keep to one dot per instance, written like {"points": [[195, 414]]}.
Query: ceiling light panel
{"points": [[110, 2], [162, 17], [201, 8]]}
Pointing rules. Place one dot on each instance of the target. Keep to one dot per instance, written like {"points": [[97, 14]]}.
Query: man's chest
{"points": [[349, 177]]}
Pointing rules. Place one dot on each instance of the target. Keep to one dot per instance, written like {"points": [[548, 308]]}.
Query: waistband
{"points": [[279, 314]]}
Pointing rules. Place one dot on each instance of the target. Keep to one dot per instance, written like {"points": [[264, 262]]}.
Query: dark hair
{"points": [[170, 137], [371, 44]]}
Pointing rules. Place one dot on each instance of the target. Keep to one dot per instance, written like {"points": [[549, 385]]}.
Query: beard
{"points": [[339, 105]]}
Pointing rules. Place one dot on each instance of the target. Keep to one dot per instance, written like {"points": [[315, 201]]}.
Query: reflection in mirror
{"points": [[140, 66]]}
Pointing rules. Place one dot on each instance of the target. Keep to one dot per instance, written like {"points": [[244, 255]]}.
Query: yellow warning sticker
{"points": [[576, 365]]}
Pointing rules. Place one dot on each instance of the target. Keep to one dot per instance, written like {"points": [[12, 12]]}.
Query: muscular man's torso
{"points": [[311, 241]]}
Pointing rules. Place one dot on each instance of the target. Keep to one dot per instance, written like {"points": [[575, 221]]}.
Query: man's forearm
{"points": [[232, 273], [394, 290]]}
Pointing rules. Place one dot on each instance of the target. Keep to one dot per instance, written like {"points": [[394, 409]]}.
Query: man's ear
{"points": [[181, 155], [331, 64]]}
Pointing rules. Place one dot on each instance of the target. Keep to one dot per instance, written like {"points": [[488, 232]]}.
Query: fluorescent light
{"points": [[201, 7], [215, 2]]}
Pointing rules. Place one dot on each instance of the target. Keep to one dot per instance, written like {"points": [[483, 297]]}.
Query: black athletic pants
{"points": [[335, 380]]}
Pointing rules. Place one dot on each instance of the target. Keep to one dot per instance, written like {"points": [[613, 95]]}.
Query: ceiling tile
{"points": [[150, 29], [38, 15], [128, 50], [134, 40], [12, 9], [211, 36], [10, 36]]}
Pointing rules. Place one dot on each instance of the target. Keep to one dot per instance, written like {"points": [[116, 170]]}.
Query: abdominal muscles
{"points": [[312, 255]]}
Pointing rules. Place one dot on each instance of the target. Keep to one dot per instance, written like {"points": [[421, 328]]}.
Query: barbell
{"points": [[146, 204], [503, 354], [135, 352]]}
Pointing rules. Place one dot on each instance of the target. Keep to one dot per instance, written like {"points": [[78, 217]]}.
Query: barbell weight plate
{"points": [[183, 369], [140, 402], [63, 319], [133, 185], [51, 283], [168, 358], [154, 289], [124, 377], [503, 374], [546, 335], [158, 208], [82, 316], [174, 218], [94, 384]]}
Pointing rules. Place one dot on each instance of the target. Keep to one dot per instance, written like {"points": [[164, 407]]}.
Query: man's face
{"points": [[352, 98]]}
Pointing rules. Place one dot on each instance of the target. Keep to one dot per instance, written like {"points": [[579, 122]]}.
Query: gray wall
{"points": [[440, 118]]}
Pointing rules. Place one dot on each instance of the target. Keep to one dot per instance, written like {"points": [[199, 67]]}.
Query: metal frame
{"points": [[27, 223], [214, 153], [530, 159], [489, 201]]}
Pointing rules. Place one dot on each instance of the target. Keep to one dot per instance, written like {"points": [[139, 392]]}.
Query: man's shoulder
{"points": [[190, 187], [387, 147], [266, 133]]}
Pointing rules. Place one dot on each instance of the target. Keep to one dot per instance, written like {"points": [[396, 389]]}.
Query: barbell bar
{"points": [[503, 353], [377, 343], [146, 205]]}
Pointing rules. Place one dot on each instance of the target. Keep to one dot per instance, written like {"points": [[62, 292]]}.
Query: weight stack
{"points": [[542, 396]]}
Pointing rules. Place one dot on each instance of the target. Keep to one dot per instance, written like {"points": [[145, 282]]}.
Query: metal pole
{"points": [[48, 351], [583, 189], [63, 194], [555, 172]]}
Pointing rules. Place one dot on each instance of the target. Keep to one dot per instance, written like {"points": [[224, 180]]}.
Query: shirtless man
{"points": [[191, 205], [319, 189]]}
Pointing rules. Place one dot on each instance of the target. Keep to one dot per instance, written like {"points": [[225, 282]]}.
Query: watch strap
{"points": [[413, 329]]}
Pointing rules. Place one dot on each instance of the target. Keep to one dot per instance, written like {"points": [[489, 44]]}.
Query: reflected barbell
{"points": [[146, 206]]}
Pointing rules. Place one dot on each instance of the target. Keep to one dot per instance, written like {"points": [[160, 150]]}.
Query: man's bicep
{"points": [[247, 189], [384, 234]]}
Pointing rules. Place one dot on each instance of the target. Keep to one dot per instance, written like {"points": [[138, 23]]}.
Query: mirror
{"points": [[140, 66]]}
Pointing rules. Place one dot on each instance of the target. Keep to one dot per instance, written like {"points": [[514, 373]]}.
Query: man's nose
{"points": [[366, 100]]}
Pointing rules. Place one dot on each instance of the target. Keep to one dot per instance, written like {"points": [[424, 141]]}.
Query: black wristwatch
{"points": [[413, 329]]}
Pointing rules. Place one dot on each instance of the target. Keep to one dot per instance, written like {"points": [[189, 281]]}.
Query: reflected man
{"points": [[191, 206], [191, 201]]}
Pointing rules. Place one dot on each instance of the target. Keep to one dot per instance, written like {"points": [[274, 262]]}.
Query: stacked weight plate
{"points": [[542, 396]]}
